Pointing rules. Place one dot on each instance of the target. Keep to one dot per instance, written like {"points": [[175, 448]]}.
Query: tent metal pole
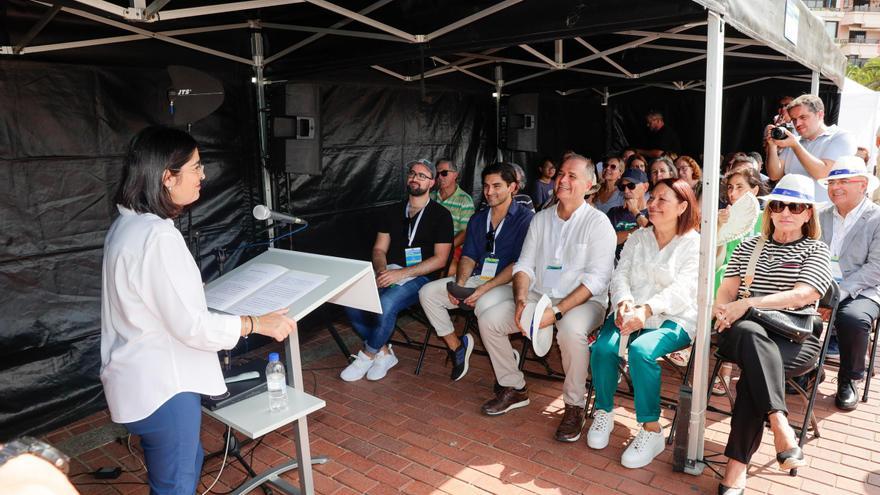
{"points": [[262, 122], [712, 167], [499, 86], [814, 83]]}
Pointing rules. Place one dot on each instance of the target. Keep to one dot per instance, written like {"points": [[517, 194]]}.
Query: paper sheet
{"points": [[238, 285], [279, 293]]}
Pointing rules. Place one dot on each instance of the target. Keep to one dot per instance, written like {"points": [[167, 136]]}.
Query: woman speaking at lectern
{"points": [[159, 342]]}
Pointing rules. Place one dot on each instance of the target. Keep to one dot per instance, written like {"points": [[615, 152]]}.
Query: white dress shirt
{"points": [[583, 245], [665, 279], [157, 336]]}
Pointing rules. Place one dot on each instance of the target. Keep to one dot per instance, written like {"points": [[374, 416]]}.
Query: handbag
{"points": [[795, 325]]}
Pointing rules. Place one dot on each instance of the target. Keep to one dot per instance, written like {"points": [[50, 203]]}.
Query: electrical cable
{"points": [[223, 463], [131, 451]]}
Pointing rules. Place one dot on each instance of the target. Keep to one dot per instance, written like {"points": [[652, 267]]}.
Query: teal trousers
{"points": [[645, 346]]}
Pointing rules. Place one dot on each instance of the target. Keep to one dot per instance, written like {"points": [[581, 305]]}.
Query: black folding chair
{"points": [[415, 312], [870, 371]]}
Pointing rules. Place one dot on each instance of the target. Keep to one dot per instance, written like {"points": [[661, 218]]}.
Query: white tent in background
{"points": [[860, 114]]}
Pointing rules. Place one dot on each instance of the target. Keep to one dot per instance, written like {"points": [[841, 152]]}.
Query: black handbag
{"points": [[795, 325]]}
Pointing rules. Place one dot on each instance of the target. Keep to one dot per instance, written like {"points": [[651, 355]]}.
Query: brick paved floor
{"points": [[424, 434]]}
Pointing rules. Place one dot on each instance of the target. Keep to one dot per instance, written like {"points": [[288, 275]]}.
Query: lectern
{"points": [[348, 283]]}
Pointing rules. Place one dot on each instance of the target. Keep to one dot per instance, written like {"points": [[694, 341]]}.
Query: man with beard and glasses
{"points": [[493, 242], [412, 246]]}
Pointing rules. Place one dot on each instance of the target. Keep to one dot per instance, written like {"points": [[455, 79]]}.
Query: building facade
{"points": [[854, 24]]}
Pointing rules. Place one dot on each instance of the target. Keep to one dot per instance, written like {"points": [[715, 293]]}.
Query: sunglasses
{"points": [[794, 208], [628, 185], [444, 173], [611, 166], [490, 241], [419, 175]]}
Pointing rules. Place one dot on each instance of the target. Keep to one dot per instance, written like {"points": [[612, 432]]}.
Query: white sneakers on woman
{"points": [[641, 451], [374, 368]]}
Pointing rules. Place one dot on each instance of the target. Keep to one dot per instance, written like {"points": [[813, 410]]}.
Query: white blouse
{"points": [[665, 279], [157, 336]]}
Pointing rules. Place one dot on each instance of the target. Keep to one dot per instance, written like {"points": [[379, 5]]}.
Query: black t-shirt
{"points": [[435, 227], [665, 139]]}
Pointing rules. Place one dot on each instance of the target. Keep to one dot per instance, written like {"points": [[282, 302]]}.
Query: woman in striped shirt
{"points": [[793, 271]]}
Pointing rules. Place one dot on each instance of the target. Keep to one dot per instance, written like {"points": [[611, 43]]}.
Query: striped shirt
{"points": [[460, 206], [780, 266]]}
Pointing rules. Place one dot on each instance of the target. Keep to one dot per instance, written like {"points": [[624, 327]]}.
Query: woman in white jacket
{"points": [[652, 291]]}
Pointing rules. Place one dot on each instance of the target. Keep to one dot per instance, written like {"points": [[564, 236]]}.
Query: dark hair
{"points": [[634, 157], [750, 175], [545, 160], [506, 170], [691, 216], [151, 152]]}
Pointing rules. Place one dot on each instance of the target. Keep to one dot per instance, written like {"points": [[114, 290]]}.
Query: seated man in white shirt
{"points": [[568, 255]]}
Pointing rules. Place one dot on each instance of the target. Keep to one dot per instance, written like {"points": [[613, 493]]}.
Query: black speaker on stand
{"points": [[522, 122], [295, 129]]}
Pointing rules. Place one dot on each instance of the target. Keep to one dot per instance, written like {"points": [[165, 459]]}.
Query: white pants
{"points": [[435, 302], [497, 323]]}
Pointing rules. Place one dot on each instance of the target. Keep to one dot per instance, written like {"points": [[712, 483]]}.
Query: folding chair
{"points": [[813, 372], [415, 312], [870, 371]]}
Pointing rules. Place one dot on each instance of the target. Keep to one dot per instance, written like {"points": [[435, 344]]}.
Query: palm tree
{"points": [[868, 75]]}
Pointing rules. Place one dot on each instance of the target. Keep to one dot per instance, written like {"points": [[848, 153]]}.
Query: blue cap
{"points": [[635, 175], [273, 356]]}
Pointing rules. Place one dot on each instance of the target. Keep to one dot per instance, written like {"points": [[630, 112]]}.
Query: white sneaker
{"points": [[643, 449], [600, 430], [358, 368], [381, 364]]}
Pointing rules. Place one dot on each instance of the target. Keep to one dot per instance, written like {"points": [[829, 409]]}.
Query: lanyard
{"points": [[494, 232], [412, 228]]}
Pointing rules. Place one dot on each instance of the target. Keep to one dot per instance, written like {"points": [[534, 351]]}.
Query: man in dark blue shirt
{"points": [[492, 244]]}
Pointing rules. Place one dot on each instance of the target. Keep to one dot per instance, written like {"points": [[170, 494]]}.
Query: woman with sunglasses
{"points": [[652, 290], [159, 342], [793, 271], [608, 195]]}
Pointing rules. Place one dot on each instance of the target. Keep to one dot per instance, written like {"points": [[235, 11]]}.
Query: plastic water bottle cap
{"points": [[273, 357]]}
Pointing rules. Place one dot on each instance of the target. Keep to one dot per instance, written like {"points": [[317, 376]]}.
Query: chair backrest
{"points": [[829, 301]]}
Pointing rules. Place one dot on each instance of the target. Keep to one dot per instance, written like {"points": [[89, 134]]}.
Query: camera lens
{"points": [[777, 133]]}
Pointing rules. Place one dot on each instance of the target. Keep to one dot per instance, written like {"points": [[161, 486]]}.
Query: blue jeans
{"points": [[375, 329], [172, 448]]}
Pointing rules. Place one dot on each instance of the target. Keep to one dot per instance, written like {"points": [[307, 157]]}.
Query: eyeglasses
{"points": [[794, 208], [418, 175], [198, 168], [490, 241], [628, 185], [444, 173]]}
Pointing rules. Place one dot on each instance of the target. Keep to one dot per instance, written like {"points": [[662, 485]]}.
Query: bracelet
{"points": [[250, 327]]}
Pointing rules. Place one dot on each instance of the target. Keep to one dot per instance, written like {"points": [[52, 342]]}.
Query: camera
{"points": [[778, 132]]}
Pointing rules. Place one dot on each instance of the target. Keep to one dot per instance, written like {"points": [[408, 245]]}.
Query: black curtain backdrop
{"points": [[63, 131]]}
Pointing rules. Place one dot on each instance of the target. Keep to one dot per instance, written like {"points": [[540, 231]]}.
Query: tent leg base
{"points": [[694, 467]]}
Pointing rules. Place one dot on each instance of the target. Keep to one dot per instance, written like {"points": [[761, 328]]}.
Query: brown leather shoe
{"points": [[506, 398], [572, 424]]}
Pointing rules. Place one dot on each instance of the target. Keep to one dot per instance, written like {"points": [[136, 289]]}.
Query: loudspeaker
{"points": [[522, 122], [295, 129]]}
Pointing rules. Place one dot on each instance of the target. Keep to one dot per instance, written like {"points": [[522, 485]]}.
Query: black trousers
{"points": [[765, 360], [853, 327]]}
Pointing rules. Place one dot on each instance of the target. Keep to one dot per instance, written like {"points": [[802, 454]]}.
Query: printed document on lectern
{"points": [[260, 288]]}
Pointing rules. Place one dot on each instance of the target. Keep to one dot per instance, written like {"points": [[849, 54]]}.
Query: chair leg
{"points": [[428, 332], [870, 371]]}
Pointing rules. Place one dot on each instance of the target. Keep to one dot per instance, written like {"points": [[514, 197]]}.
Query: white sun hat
{"points": [[542, 338], [793, 188], [850, 166]]}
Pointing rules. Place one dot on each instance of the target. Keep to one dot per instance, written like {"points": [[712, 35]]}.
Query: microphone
{"points": [[263, 213]]}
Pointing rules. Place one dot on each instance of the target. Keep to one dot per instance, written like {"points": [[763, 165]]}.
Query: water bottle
{"points": [[276, 382]]}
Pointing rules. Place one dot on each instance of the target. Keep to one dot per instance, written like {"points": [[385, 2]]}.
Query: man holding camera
{"points": [[814, 151]]}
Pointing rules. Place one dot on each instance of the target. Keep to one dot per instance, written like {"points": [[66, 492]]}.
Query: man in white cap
{"points": [[568, 255], [855, 265], [814, 150]]}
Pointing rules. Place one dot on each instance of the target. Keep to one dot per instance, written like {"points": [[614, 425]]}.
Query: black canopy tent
{"points": [[604, 51]]}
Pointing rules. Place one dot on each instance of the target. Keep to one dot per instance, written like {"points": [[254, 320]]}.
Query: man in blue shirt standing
{"points": [[492, 244]]}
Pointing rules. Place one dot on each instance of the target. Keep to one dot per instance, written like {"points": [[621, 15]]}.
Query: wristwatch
{"points": [[30, 445], [557, 313]]}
